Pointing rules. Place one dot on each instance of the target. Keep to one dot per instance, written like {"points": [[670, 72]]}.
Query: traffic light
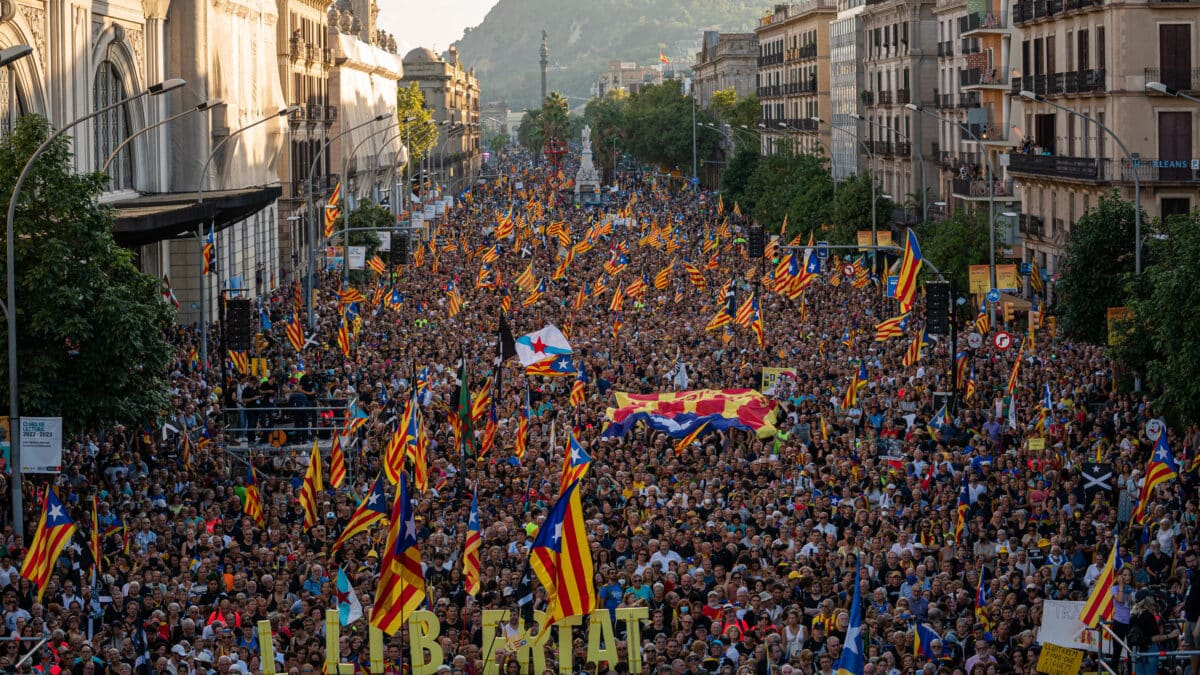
{"points": [[239, 329], [756, 242], [400, 244], [937, 307], [1008, 312]]}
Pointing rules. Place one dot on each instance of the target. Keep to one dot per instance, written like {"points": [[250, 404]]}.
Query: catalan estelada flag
{"points": [[562, 560], [332, 211], [1160, 469], [210, 250], [311, 487], [578, 390], [401, 581], [981, 599], [1016, 370], [910, 267], [295, 333], [964, 505], [890, 328], [1099, 606], [471, 550], [337, 461], [576, 462], [857, 381], [689, 439], [679, 413], [253, 506], [373, 509], [54, 531]]}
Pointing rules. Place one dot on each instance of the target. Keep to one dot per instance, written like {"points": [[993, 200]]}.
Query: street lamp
{"points": [[7, 56], [1137, 184], [200, 235], [874, 205], [203, 106], [920, 159], [824, 146], [1169, 91], [351, 205], [991, 201], [312, 235]]}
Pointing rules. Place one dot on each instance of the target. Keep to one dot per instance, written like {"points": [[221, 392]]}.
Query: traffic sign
{"points": [[974, 340], [993, 296], [1026, 268], [848, 270], [822, 249], [1002, 340]]}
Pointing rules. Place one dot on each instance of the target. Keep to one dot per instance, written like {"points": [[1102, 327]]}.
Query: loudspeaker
{"points": [[937, 307], [756, 241], [400, 250], [239, 328]]}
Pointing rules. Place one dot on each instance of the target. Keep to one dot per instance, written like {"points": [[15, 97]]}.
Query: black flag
{"points": [[506, 348]]}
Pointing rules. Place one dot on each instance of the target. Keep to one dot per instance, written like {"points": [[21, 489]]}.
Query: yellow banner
{"points": [[884, 237], [1056, 660], [1007, 276], [1114, 317]]}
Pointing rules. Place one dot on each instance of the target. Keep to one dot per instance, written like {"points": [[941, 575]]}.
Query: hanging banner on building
{"points": [[1008, 278], [41, 444]]}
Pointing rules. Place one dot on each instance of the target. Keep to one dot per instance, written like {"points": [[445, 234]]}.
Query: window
{"points": [[112, 128]]}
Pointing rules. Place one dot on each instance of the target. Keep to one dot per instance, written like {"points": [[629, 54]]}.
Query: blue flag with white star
{"points": [[851, 662]]}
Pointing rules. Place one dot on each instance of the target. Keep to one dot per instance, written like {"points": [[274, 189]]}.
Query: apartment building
{"points": [[1096, 57], [954, 152], [901, 68], [725, 61], [846, 80], [794, 77], [451, 92]]}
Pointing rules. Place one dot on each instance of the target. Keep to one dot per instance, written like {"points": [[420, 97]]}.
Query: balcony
{"points": [[802, 124], [806, 52], [769, 91], [903, 148], [327, 57], [976, 189], [943, 101], [791, 88], [1090, 169], [968, 99], [945, 160], [903, 96], [980, 23], [770, 60], [885, 98], [298, 116], [1031, 226], [969, 46], [1080, 82], [331, 114], [312, 53], [295, 48], [316, 112], [983, 78], [985, 133], [945, 50], [1071, 5], [1183, 79]]}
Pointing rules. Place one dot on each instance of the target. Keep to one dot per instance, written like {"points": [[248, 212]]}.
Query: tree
{"points": [[549, 121], [734, 111], [798, 186], [1164, 337], [852, 210], [91, 328], [736, 177], [365, 219], [499, 143], [529, 132], [420, 133], [1092, 273], [956, 243], [606, 117], [659, 122]]}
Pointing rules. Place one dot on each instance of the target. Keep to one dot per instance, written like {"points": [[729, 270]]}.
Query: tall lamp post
{"points": [[1169, 91], [824, 146], [200, 233], [1137, 184], [874, 204], [6, 57], [920, 159], [350, 206], [201, 107], [312, 234], [991, 200]]}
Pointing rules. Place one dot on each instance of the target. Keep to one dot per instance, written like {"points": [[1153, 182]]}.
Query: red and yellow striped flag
{"points": [[312, 486], [54, 531], [337, 462]]}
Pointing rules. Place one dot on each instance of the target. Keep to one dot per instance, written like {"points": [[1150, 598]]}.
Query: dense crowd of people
{"points": [[743, 549]]}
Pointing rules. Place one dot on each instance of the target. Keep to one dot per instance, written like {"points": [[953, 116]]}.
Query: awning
{"points": [[153, 218]]}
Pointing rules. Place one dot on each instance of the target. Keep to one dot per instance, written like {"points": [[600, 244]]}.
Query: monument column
{"points": [[545, 61]]}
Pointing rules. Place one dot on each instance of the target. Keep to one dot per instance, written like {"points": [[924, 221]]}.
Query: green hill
{"points": [[584, 35]]}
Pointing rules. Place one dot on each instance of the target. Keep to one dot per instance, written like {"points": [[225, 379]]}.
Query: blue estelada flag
{"points": [[349, 608], [939, 423], [923, 638], [851, 661]]}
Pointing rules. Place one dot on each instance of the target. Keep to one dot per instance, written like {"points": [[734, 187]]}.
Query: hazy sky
{"points": [[430, 23]]}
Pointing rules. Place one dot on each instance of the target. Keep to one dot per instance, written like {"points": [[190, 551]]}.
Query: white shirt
{"points": [[663, 560]]}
